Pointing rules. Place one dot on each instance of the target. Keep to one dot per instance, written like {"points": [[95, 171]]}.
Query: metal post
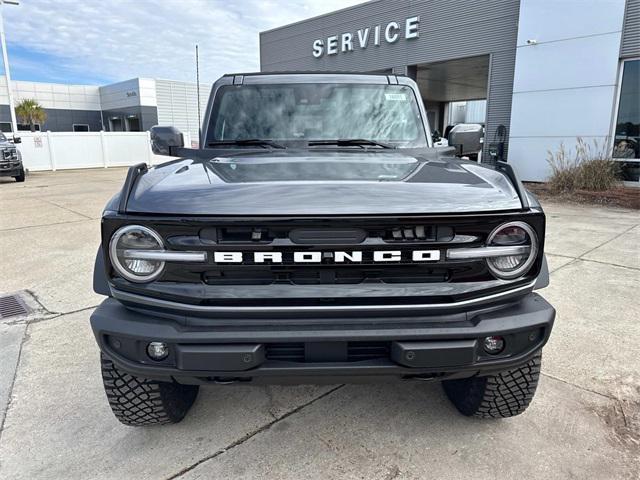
{"points": [[198, 94], [52, 156], [103, 148], [5, 60]]}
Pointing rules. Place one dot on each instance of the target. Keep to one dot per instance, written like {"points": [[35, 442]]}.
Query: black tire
{"points": [[20, 177], [497, 396], [138, 401]]}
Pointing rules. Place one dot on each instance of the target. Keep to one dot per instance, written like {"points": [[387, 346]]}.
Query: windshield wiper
{"points": [[348, 142], [246, 141]]}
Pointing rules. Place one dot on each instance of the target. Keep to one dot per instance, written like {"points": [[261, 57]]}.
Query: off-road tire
{"points": [[20, 177], [497, 396], [139, 401]]}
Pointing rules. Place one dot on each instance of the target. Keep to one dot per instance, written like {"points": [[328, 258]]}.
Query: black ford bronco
{"points": [[317, 236]]}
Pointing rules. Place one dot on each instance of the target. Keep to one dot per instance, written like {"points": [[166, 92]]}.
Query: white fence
{"points": [[66, 150]]}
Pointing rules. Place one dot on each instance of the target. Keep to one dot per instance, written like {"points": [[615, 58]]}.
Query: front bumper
{"points": [[274, 350], [10, 169]]}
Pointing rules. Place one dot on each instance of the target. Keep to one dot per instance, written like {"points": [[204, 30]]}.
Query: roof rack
{"points": [[132, 176], [312, 72]]}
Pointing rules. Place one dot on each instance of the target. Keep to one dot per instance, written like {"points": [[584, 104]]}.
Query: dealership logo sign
{"points": [[347, 42]]}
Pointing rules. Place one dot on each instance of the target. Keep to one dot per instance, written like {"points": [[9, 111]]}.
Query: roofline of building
{"points": [[2, 75], [15, 80], [182, 81]]}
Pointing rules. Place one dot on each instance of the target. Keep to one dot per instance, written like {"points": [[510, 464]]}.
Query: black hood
{"points": [[310, 182]]}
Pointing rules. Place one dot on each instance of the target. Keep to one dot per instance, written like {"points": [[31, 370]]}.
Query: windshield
{"points": [[299, 112]]}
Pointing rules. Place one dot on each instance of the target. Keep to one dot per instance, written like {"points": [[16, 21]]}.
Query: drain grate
{"points": [[12, 306]]}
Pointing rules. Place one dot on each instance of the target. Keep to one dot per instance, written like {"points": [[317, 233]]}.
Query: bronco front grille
{"points": [[246, 240], [246, 237]]}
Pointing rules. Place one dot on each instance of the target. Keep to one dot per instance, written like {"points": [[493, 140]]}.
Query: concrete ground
{"points": [[55, 421]]}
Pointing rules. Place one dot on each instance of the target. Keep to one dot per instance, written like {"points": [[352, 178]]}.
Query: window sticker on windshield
{"points": [[395, 97]]}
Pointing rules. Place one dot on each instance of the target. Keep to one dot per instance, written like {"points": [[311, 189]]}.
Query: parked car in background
{"points": [[10, 159]]}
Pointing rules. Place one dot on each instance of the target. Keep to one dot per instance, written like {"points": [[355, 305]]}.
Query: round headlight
{"points": [[127, 248], [509, 235]]}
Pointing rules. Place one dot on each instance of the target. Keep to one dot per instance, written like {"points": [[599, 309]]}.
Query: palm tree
{"points": [[31, 112]]}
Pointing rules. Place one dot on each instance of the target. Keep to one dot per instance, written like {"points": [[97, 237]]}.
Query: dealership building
{"points": [[130, 106], [537, 74]]}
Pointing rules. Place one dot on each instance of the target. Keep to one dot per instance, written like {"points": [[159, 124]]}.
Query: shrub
{"points": [[589, 169], [563, 171], [598, 174]]}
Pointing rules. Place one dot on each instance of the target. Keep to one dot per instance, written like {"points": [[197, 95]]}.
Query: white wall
{"points": [[178, 105], [130, 93], [52, 95], [67, 150], [565, 84]]}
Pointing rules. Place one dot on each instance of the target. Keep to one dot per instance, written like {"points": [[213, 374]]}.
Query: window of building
{"points": [[115, 124], [80, 127], [472, 111], [5, 127], [26, 127], [133, 123], [626, 135]]}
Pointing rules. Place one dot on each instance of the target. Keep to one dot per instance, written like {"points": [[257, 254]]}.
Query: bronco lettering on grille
{"points": [[376, 256]]}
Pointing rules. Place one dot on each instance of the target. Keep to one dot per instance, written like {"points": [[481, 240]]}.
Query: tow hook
{"points": [[229, 380], [425, 377]]}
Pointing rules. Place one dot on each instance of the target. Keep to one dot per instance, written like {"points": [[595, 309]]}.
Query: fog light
{"points": [[158, 350], [493, 345]]}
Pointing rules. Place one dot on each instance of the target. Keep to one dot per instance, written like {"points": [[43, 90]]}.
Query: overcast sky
{"points": [[98, 41]]}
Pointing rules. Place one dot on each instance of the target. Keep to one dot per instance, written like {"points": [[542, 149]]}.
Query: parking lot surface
{"points": [[55, 421]]}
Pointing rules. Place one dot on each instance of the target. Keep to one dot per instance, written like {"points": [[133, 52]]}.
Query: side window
{"points": [[26, 127], [82, 127]]}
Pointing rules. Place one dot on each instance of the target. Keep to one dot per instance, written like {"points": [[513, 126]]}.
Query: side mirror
{"points": [[466, 137], [164, 140], [17, 140]]}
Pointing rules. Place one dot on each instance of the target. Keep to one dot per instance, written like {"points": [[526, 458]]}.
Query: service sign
{"points": [[362, 38]]}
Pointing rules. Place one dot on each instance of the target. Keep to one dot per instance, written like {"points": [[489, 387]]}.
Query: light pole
{"points": [[5, 60]]}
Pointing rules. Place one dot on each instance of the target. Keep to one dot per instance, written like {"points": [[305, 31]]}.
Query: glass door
{"points": [[626, 132]]}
